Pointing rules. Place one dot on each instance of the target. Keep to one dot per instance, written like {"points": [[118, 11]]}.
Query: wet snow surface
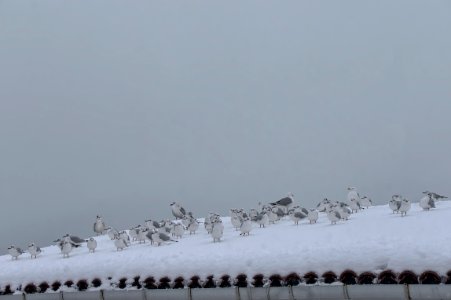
{"points": [[371, 240]]}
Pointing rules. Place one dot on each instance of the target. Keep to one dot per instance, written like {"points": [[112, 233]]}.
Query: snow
{"points": [[371, 240]]}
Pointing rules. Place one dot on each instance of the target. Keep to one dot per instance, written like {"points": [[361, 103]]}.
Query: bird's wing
{"points": [[431, 203], [76, 239], [164, 237], [182, 210]]}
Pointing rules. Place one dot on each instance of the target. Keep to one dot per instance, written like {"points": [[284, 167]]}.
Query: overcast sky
{"points": [[120, 107]]}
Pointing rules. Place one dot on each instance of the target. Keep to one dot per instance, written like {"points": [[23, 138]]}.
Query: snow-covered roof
{"points": [[373, 240]]}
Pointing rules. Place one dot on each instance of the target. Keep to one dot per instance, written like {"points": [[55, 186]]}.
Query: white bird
{"points": [[66, 248], [217, 231], [193, 226], [120, 243], [296, 216], [366, 202], [133, 232], [177, 210], [312, 216], [395, 203], [344, 211], [99, 226], [354, 199], [112, 233], [427, 202], [285, 202], [333, 215], [141, 236], [435, 195], [235, 218], [125, 237], [92, 244], [324, 205], [262, 219], [246, 226], [159, 238], [405, 207], [34, 250], [15, 252], [178, 230]]}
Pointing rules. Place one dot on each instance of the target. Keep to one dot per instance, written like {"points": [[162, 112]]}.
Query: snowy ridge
{"points": [[371, 240]]}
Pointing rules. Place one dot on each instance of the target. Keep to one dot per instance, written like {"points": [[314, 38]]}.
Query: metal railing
{"points": [[316, 292]]}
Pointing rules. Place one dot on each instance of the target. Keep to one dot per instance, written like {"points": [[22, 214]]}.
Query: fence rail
{"points": [[345, 292]]}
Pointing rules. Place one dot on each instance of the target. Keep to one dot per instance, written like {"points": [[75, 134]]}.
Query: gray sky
{"points": [[120, 107]]}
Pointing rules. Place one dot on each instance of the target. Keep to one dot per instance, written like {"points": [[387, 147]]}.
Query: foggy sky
{"points": [[120, 107]]}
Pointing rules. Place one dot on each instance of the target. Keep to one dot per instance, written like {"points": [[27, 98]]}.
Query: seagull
{"points": [[178, 230], [92, 245], [246, 226], [235, 218], [177, 210], [434, 195], [112, 233], [217, 231], [405, 207], [427, 202], [34, 250], [141, 234], [285, 202], [120, 243], [193, 226], [323, 205], [296, 216], [333, 215], [159, 238], [312, 216], [74, 240], [354, 199], [99, 226], [366, 202], [395, 203], [66, 248], [262, 219], [15, 252]]}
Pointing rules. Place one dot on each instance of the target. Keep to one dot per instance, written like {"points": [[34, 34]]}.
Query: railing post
{"points": [[407, 292], [345, 292], [290, 292]]}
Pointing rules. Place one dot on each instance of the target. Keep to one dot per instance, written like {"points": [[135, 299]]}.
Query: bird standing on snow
{"points": [[193, 226], [112, 233], [14, 251], [177, 210], [178, 230], [333, 215], [160, 237], [285, 202], [246, 226], [427, 202], [66, 248], [92, 245], [312, 216], [405, 207], [262, 219], [120, 243], [354, 199], [99, 226], [296, 216], [217, 230], [366, 202], [395, 203], [34, 250]]}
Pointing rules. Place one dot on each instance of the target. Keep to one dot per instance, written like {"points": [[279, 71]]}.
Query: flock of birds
{"points": [[167, 230]]}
